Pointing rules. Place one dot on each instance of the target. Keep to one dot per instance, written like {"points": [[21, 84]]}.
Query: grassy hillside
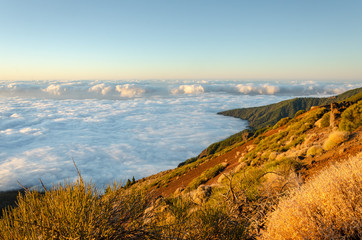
{"points": [[245, 187], [269, 115]]}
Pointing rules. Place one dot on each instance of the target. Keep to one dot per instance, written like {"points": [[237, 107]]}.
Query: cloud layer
{"points": [[124, 90], [116, 130]]}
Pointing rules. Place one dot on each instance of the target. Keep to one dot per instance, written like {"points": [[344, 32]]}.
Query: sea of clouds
{"points": [[116, 129]]}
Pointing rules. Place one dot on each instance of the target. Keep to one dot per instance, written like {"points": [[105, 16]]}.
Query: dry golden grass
{"points": [[335, 138], [327, 207]]}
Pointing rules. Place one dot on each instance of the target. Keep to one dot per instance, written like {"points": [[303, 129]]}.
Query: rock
{"points": [[250, 147], [334, 115], [239, 167], [219, 180], [202, 194], [178, 191], [273, 155], [318, 123], [225, 164]]}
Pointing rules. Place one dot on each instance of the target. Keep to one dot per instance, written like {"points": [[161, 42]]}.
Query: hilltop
{"points": [[243, 187]]}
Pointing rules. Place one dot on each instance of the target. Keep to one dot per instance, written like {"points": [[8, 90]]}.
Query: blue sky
{"points": [[185, 39]]}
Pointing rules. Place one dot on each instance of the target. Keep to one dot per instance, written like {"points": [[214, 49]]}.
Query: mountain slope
{"points": [[268, 115]]}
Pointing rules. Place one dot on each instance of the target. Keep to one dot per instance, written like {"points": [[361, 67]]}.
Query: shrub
{"points": [[335, 138], [325, 120], [351, 118], [75, 211], [327, 207], [314, 150], [216, 222]]}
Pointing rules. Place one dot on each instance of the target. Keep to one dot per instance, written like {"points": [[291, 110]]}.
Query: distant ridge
{"points": [[260, 117]]}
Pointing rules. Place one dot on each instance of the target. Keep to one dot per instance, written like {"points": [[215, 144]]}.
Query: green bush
{"points": [[325, 120], [351, 118]]}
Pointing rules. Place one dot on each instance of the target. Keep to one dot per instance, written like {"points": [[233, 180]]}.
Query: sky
{"points": [[188, 39]]}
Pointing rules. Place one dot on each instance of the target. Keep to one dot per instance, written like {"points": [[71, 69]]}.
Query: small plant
{"points": [[335, 138], [129, 182]]}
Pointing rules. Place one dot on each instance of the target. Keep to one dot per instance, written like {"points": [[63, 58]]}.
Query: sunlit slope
{"points": [[268, 115]]}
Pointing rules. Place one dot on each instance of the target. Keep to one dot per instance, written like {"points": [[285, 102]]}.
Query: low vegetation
{"points": [[230, 141], [327, 207], [282, 141], [351, 118], [76, 211]]}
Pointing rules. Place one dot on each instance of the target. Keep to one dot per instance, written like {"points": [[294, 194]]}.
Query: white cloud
{"points": [[188, 89], [8, 131], [29, 130], [136, 89], [54, 90], [129, 91], [264, 89], [101, 88], [15, 115]]}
